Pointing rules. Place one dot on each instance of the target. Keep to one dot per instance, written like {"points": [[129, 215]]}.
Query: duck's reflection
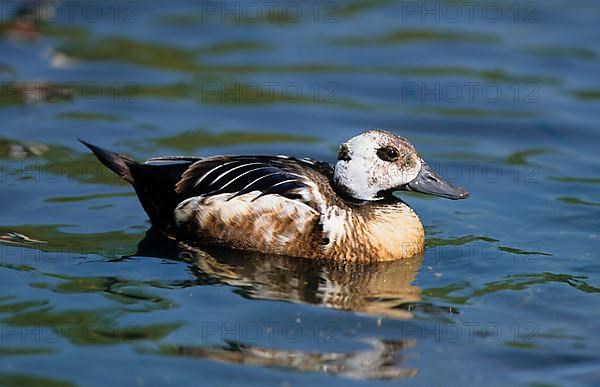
{"points": [[380, 362], [381, 289]]}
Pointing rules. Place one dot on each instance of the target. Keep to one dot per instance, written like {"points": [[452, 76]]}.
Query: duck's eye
{"points": [[343, 153], [388, 153]]}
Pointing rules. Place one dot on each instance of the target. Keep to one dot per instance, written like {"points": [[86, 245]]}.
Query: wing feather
{"points": [[267, 175]]}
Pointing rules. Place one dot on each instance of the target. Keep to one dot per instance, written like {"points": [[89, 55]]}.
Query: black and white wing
{"points": [[266, 175]]}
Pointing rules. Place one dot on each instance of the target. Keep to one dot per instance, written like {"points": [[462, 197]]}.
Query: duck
{"points": [[288, 206]]}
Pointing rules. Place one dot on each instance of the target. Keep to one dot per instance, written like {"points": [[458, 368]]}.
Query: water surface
{"points": [[505, 105]]}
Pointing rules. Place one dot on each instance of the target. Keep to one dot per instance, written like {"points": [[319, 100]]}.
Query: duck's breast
{"points": [[373, 233]]}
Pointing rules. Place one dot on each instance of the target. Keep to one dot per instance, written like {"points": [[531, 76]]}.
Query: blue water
{"points": [[502, 98]]}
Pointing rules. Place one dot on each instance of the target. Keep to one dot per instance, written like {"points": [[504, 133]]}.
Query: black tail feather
{"points": [[154, 184], [119, 164]]}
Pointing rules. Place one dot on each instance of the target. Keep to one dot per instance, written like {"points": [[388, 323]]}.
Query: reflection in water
{"points": [[379, 362], [379, 289], [21, 149], [11, 237]]}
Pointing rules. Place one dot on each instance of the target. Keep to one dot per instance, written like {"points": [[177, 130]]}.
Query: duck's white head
{"points": [[375, 163]]}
